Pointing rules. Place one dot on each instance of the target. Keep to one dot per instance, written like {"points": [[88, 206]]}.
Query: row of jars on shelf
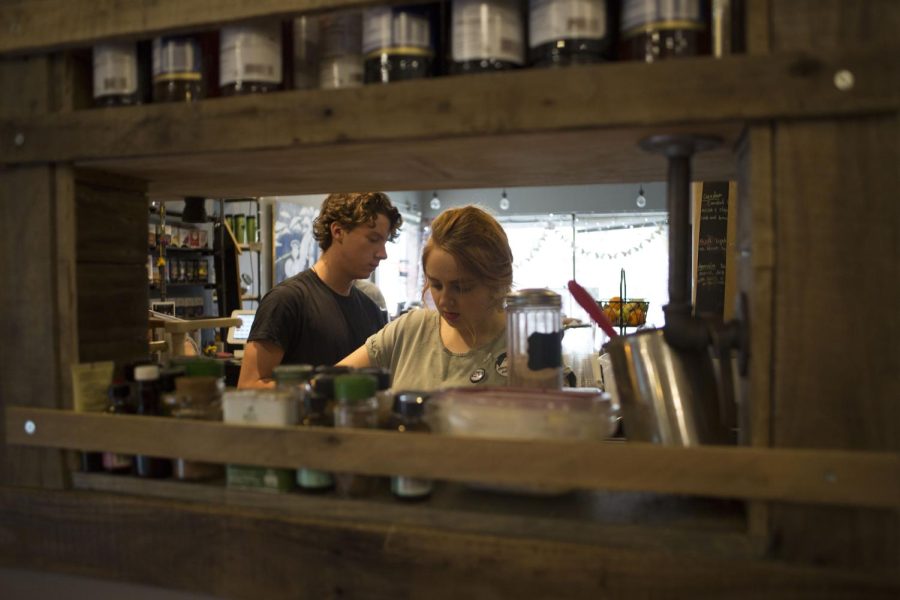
{"points": [[338, 397], [390, 43], [178, 270]]}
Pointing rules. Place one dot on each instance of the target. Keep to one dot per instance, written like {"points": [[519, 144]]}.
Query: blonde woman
{"points": [[467, 263]]}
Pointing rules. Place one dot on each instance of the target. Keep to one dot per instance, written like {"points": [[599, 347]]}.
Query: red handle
{"points": [[593, 310]]}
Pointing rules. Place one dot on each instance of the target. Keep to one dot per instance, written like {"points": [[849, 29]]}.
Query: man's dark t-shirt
{"points": [[312, 323]]}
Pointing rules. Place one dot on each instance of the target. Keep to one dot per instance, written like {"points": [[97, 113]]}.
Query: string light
{"points": [[559, 234]]}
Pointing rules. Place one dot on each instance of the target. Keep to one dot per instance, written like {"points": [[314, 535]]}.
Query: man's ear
{"points": [[337, 232]]}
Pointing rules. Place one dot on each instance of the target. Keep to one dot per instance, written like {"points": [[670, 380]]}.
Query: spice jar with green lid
{"points": [[357, 407]]}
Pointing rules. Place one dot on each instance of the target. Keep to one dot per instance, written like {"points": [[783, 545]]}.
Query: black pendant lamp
{"points": [[194, 210]]}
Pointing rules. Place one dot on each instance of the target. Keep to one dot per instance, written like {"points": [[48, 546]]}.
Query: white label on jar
{"points": [[115, 69], [250, 53], [341, 72], [552, 20], [488, 29], [313, 479], [411, 487], [176, 55], [341, 34], [637, 14], [384, 27]]}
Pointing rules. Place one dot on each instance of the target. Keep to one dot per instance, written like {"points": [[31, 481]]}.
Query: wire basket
{"points": [[631, 312]]}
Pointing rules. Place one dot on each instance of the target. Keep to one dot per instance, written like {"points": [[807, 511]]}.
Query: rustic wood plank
{"points": [[563, 158], [815, 476], [112, 225], [827, 24], [689, 91], [240, 553], [755, 259], [67, 23], [36, 331], [836, 376], [652, 522], [757, 26]]}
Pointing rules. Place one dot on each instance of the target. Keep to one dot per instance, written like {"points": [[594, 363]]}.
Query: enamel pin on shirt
{"points": [[477, 375]]}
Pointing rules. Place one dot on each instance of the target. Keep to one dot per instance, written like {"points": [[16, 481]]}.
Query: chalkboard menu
{"points": [[711, 249]]}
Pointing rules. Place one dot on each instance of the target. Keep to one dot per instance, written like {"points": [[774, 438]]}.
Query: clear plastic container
{"points": [[534, 339]]}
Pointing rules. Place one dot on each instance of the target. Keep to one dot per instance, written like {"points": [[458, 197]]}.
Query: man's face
{"points": [[361, 249]]}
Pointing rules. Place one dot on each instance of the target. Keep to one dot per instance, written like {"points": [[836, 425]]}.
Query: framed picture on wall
{"points": [[294, 246]]}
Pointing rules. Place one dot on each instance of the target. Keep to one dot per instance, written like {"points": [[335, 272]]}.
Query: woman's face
{"points": [[464, 302]]}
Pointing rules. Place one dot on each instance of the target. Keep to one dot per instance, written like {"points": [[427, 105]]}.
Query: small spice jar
{"points": [[355, 406], [407, 417], [315, 414], [198, 398]]}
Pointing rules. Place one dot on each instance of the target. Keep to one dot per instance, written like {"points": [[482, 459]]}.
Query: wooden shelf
{"points": [[795, 475], [254, 247], [527, 127]]}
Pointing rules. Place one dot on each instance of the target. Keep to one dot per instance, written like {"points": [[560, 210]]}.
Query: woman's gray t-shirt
{"points": [[411, 348]]}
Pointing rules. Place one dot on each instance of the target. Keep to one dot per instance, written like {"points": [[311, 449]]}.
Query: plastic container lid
{"points": [[410, 404], [196, 366], [532, 297], [292, 373], [146, 373], [354, 387]]}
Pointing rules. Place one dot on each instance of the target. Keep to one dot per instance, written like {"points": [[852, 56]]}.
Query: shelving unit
{"points": [[802, 138]]}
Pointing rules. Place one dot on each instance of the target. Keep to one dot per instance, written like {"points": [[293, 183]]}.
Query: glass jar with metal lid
{"points": [[534, 338]]}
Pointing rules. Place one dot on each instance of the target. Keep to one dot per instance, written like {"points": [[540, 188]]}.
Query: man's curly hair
{"points": [[352, 210]]}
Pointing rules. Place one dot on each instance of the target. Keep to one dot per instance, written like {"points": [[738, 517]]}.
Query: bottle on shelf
{"points": [[250, 59], [177, 69], [148, 402], [305, 55], [398, 42], [120, 403], [567, 32], [355, 406], [116, 74], [340, 55], [487, 35], [652, 31], [407, 417]]}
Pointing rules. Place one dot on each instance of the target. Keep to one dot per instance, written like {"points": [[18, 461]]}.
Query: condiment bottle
{"points": [[120, 403], [652, 31], [198, 398], [397, 43], [294, 379], [487, 35], [116, 81], [146, 378], [534, 338], [409, 408], [250, 58], [177, 69], [340, 55], [306, 52], [315, 414], [355, 406], [567, 32], [382, 393]]}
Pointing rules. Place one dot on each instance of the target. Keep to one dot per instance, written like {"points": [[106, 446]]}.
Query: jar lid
{"points": [[292, 373], [146, 373], [533, 297], [354, 387], [382, 376], [410, 403]]}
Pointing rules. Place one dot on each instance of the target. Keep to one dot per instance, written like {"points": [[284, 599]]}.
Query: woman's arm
{"points": [[357, 359]]}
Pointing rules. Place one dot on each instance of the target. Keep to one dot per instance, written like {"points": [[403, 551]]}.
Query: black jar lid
{"points": [[410, 403]]}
